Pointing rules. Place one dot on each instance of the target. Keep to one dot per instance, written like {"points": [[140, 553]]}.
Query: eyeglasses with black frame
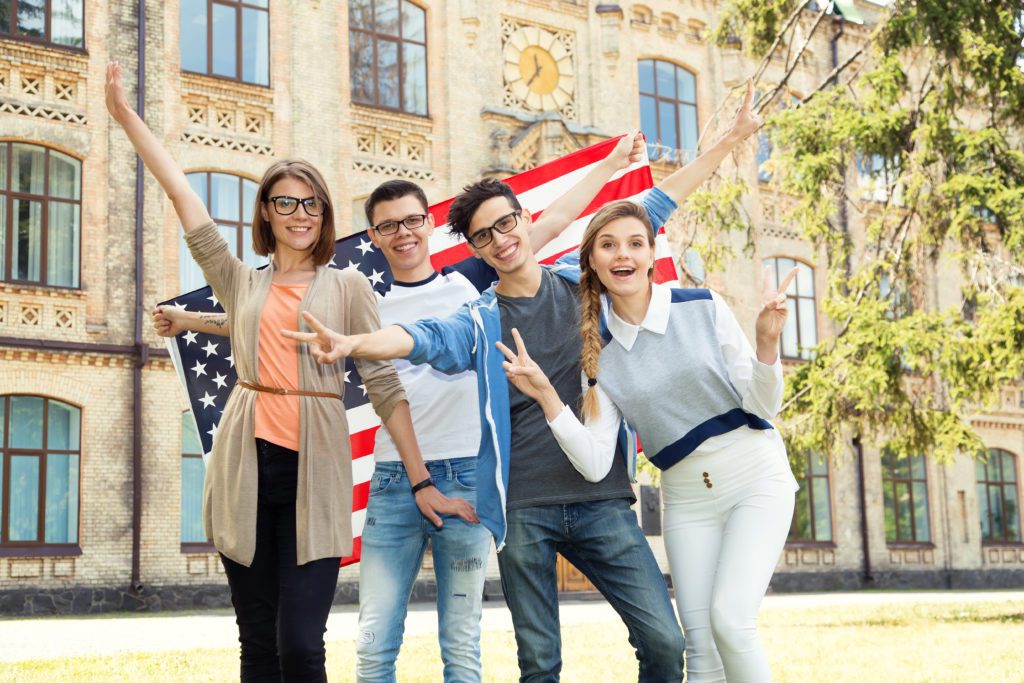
{"points": [[481, 238], [286, 205], [413, 222]]}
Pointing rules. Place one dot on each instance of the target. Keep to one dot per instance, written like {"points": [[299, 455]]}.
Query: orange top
{"points": [[277, 417]]}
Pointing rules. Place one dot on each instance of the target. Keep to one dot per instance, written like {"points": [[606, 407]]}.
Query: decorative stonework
{"points": [[227, 115], [42, 112], [567, 39], [31, 315], [911, 556], [391, 143], [43, 83], [810, 557], [64, 318], [1009, 556]]}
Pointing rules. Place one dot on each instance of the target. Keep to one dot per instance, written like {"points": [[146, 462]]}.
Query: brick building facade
{"points": [[439, 102]]}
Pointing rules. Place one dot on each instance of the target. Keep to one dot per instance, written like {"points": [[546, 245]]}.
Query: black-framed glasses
{"points": [[413, 222], [285, 205], [481, 238]]}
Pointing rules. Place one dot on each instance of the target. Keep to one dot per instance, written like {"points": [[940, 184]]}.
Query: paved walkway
{"points": [[58, 637]]}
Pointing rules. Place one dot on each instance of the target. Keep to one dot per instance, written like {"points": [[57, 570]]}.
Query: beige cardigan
{"points": [[344, 301]]}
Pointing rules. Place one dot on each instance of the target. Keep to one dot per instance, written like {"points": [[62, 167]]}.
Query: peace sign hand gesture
{"points": [[746, 121], [772, 317], [326, 345]]}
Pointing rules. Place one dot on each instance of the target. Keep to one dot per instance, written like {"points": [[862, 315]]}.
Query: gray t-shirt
{"points": [[539, 472]]}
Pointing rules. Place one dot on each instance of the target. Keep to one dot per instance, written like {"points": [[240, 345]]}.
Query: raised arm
{"points": [[170, 321], [682, 183], [190, 208], [564, 210]]}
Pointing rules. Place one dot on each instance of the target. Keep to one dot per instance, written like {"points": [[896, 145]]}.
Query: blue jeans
{"points": [[394, 539], [603, 540]]}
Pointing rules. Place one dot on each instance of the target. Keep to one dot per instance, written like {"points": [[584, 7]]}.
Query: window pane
{"points": [[414, 78], [789, 338], [649, 119], [901, 467], [1012, 514], [984, 512], [360, 54], [922, 532], [645, 76], [3, 423], [903, 526], [62, 244], [32, 18], [995, 505], [387, 17], [225, 198], [65, 176], [5, 16], [248, 200], [808, 323], [61, 499], [225, 49], [665, 76], [360, 13], [687, 86], [230, 235], [822, 511], [802, 515], [26, 422], [387, 74], [255, 47], [190, 443], [192, 40], [3, 148], [24, 506], [667, 125], [414, 25], [66, 22], [26, 251], [4, 229], [890, 513], [805, 280], [1009, 469], [979, 470], [29, 172], [62, 427], [917, 470], [819, 463], [764, 154], [249, 255], [192, 471], [688, 121], [198, 183], [190, 276]]}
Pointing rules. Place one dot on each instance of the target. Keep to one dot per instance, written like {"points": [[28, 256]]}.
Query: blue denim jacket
{"points": [[465, 341]]}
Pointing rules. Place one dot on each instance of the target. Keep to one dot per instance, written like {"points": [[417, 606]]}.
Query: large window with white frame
{"points": [[800, 334], [905, 494], [668, 110], [40, 215], [812, 513], [231, 200], [58, 22], [40, 454], [998, 500]]}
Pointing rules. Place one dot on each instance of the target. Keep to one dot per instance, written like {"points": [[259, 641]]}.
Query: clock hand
{"points": [[535, 73]]}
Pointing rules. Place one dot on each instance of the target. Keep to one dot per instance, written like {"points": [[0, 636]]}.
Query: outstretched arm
{"points": [[190, 208], [564, 210], [170, 321], [682, 183], [328, 346]]}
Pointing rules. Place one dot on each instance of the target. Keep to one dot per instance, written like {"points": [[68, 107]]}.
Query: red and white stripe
{"points": [[536, 189]]}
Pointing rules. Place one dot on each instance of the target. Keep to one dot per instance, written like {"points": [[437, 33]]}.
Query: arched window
{"points": [[905, 490], [51, 21], [668, 110], [40, 446], [388, 54], [231, 201], [226, 38], [812, 514], [800, 335], [40, 215], [998, 503], [192, 473]]}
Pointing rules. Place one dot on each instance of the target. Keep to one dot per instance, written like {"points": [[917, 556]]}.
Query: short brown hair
{"points": [[462, 210], [263, 242]]}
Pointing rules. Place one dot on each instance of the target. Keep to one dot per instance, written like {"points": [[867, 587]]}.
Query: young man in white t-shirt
{"points": [[446, 421]]}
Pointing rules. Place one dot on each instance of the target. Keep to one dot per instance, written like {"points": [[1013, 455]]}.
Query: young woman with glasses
{"points": [[277, 496]]}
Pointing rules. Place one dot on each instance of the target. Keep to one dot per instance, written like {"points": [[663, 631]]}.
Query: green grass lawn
{"points": [[904, 642]]}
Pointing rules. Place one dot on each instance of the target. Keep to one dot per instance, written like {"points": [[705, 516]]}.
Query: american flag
{"points": [[205, 367]]}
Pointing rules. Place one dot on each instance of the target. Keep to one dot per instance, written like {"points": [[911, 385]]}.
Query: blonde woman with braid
{"points": [[678, 367]]}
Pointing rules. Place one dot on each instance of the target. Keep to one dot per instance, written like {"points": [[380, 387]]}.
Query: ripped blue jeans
{"points": [[394, 539]]}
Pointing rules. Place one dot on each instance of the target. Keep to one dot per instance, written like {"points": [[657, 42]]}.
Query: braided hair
{"points": [[591, 289]]}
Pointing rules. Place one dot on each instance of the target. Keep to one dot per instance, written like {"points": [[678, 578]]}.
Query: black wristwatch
{"points": [[422, 485]]}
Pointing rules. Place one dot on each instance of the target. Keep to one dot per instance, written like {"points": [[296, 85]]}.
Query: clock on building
{"points": [[538, 69]]}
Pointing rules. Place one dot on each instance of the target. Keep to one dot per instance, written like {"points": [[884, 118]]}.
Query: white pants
{"points": [[723, 543]]}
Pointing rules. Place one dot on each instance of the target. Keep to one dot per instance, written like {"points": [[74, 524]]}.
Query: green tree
{"points": [[930, 107]]}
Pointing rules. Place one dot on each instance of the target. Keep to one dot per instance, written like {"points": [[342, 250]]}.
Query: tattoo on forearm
{"points": [[217, 320]]}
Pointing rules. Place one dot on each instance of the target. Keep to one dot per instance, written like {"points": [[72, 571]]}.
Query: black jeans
{"points": [[281, 608]]}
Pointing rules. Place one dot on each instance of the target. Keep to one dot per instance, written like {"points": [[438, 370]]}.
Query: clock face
{"points": [[538, 69]]}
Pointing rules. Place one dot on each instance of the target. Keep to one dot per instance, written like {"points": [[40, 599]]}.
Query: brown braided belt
{"points": [[286, 392]]}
